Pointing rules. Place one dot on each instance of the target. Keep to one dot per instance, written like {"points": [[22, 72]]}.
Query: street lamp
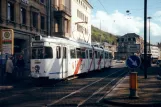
{"points": [[149, 32]]}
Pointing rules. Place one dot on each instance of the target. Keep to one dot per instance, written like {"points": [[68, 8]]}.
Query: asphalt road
{"points": [[84, 91]]}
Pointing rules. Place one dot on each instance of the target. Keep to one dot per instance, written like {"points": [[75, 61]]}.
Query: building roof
{"points": [[130, 35], [88, 4]]}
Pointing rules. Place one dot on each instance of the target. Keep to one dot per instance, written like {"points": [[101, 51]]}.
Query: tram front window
{"points": [[42, 53]]}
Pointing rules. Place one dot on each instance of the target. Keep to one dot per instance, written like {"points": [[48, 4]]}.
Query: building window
{"points": [[42, 22], [129, 39], [134, 39], [0, 8], [42, 1], [122, 39], [56, 25], [10, 11], [23, 16], [66, 26], [34, 19]]}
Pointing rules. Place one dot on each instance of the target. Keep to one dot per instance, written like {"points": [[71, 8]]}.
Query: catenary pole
{"points": [[145, 39]]}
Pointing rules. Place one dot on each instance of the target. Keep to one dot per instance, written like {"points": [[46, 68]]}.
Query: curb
{"points": [[130, 105], [107, 102]]}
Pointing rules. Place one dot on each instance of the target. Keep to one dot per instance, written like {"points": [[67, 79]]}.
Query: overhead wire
{"points": [[102, 5]]}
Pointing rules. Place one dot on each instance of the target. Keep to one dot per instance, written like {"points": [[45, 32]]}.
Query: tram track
{"points": [[61, 100], [58, 93], [99, 90]]}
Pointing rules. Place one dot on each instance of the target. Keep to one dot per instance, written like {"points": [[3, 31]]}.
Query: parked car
{"points": [[119, 61]]}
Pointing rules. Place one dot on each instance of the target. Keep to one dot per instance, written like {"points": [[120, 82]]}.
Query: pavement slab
{"points": [[149, 91]]}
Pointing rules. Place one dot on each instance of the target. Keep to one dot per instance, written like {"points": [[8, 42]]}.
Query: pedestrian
{"points": [[9, 69], [20, 64]]}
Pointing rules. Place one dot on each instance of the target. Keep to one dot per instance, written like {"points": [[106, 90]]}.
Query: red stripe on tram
{"points": [[91, 62], [99, 62], [78, 66]]}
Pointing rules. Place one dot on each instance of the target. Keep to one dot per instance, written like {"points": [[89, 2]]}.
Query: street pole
{"points": [[149, 34], [101, 32], [145, 39]]}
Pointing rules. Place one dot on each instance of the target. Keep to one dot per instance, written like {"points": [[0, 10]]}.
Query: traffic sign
{"points": [[133, 62], [133, 48]]}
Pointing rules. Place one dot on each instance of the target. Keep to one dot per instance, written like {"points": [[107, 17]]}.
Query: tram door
{"points": [[64, 62], [87, 58]]}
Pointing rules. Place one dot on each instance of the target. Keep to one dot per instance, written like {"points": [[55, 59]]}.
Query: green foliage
{"points": [[106, 37]]}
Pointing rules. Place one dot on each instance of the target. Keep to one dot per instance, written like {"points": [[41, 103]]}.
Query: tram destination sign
{"points": [[37, 44]]}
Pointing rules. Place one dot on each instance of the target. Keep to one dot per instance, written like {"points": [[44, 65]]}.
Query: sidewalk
{"points": [[16, 80], [149, 91]]}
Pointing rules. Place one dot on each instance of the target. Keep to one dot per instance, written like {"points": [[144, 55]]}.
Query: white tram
{"points": [[58, 58]]}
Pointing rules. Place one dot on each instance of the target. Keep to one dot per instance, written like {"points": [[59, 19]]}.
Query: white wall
{"points": [[75, 5], [154, 51]]}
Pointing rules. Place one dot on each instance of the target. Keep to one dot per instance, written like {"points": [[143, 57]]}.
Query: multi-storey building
{"points": [[27, 18], [129, 44], [81, 20], [109, 47], [155, 52], [61, 18]]}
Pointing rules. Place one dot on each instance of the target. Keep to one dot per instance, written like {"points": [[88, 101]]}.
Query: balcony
{"points": [[61, 34], [59, 10]]}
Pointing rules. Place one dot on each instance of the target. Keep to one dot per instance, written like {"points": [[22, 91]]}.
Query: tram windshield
{"points": [[42, 53]]}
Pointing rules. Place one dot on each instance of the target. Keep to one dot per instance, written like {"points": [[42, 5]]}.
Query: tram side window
{"points": [[96, 54], [106, 55], [78, 51], [87, 54], [83, 55], [64, 52], [101, 55], [110, 55], [58, 52], [48, 53], [90, 54], [72, 53]]}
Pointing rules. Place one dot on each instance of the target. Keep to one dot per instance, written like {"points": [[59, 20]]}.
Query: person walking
{"points": [[9, 69], [20, 64]]}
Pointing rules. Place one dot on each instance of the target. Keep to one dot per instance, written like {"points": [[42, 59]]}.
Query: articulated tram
{"points": [[59, 58]]}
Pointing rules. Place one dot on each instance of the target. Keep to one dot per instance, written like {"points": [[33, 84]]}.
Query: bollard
{"points": [[133, 85]]}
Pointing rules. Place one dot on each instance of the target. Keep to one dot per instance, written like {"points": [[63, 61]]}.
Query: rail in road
{"points": [[83, 91]]}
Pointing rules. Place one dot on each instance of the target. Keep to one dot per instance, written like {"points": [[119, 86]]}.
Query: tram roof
{"points": [[64, 41]]}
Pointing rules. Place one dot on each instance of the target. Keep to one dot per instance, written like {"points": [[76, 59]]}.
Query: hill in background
{"points": [[106, 37]]}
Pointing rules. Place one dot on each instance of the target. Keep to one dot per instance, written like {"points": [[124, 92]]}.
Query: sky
{"points": [[120, 17]]}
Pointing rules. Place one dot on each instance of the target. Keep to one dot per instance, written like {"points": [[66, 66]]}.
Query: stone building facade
{"points": [[129, 44], [46, 17], [27, 18]]}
